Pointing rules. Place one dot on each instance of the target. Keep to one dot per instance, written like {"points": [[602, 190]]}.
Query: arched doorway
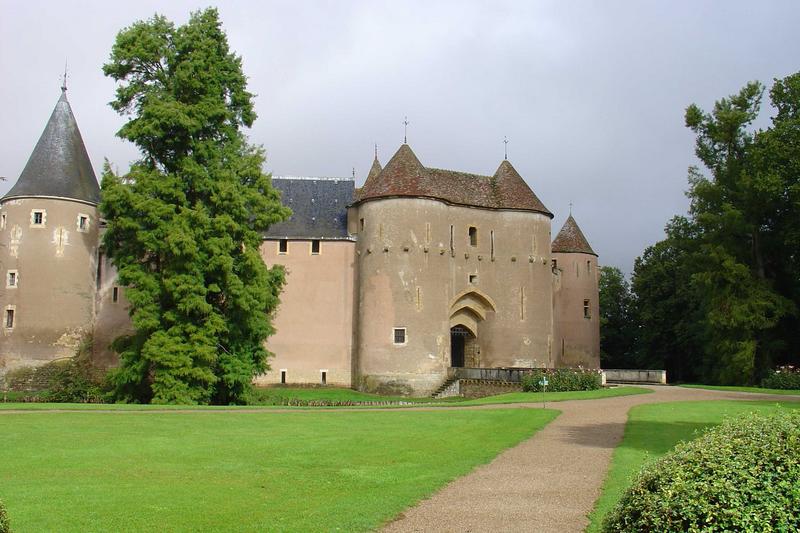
{"points": [[462, 347]]}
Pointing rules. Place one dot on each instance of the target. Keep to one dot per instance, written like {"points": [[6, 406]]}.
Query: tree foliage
{"points": [[718, 298], [618, 331], [185, 223]]}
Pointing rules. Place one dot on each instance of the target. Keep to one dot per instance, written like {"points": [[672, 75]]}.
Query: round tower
{"points": [[453, 272], [48, 248], [576, 306]]}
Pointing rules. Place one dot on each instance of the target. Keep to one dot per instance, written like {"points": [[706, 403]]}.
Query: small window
{"points": [[37, 217], [361, 224], [115, 294], [315, 247], [324, 377], [12, 279], [473, 236], [399, 335], [283, 246], [3, 221], [586, 313], [9, 318], [83, 223], [555, 264], [588, 267], [283, 376], [473, 279]]}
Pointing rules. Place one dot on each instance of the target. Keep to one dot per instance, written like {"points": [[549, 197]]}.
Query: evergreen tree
{"points": [[186, 222]]}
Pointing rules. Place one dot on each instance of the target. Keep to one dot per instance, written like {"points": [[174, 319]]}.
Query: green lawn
{"points": [[305, 470], [745, 389], [654, 429]]}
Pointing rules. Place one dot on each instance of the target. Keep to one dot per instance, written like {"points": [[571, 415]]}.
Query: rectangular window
{"points": [[283, 376], [323, 377], [399, 335], [115, 294], [9, 318], [473, 236], [11, 279], [473, 279], [283, 246], [555, 264], [37, 217], [586, 313], [361, 224], [315, 247], [588, 267], [3, 221]]}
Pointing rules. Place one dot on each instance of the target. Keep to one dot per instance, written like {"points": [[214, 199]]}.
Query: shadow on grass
{"points": [[652, 437]]}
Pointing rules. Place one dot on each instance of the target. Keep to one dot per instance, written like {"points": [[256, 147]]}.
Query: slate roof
{"points": [[571, 239], [404, 175], [319, 208], [59, 165]]}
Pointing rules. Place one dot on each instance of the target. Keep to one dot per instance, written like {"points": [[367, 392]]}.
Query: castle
{"points": [[389, 286]]}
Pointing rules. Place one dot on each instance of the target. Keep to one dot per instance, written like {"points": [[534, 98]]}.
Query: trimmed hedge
{"points": [[5, 526], [743, 475], [562, 380], [784, 377]]}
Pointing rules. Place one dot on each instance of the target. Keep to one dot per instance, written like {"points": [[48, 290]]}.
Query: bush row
{"points": [[562, 379], [784, 377], [741, 476]]}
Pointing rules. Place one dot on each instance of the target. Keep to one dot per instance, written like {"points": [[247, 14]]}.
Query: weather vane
{"points": [[570, 208], [376, 150], [505, 142], [64, 79], [405, 130]]}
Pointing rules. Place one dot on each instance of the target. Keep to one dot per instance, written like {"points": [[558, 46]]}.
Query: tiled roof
{"points": [[404, 175], [571, 239], [319, 208], [59, 165]]}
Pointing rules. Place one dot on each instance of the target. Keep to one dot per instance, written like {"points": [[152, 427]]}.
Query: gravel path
{"points": [[550, 481]]}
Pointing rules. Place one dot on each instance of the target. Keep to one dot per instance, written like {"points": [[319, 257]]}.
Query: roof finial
{"points": [[354, 172], [376, 150], [64, 79], [505, 142], [570, 208], [405, 130]]}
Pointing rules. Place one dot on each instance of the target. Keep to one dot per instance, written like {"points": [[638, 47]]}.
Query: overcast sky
{"points": [[591, 95]]}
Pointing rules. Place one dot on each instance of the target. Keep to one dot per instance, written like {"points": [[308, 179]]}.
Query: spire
{"points": [[571, 239], [59, 165]]}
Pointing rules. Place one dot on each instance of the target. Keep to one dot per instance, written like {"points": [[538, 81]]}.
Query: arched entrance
{"points": [[460, 339], [467, 311]]}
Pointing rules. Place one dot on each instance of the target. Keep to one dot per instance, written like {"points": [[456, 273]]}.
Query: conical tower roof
{"points": [[571, 239], [374, 170], [59, 166], [512, 191]]}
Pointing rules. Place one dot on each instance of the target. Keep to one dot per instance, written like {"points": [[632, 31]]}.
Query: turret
{"points": [[576, 309], [48, 248]]}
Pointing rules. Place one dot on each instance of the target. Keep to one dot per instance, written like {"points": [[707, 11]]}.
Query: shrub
{"points": [[562, 379], [741, 476], [783, 377], [5, 526], [75, 379]]}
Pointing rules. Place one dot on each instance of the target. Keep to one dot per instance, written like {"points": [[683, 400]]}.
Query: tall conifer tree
{"points": [[185, 223]]}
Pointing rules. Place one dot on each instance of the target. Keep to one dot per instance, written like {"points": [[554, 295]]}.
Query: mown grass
{"points": [[744, 389], [240, 471], [654, 429]]}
